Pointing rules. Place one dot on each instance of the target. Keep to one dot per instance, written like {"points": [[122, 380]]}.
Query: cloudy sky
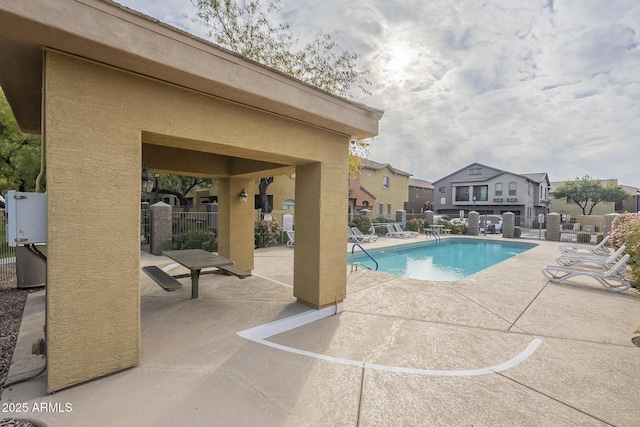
{"points": [[521, 85]]}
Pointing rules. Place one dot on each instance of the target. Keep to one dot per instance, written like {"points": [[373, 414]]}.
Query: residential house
{"points": [[489, 190], [569, 209], [383, 188], [378, 187], [420, 196]]}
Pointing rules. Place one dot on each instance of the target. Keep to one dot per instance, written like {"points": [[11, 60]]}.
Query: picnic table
{"points": [[195, 260]]}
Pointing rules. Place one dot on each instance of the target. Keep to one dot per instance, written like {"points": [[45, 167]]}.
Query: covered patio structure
{"points": [[112, 91]]}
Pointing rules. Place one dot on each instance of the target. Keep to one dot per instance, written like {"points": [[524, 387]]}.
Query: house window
{"points": [[381, 209], [481, 192], [462, 194], [389, 209], [498, 189], [289, 204], [385, 181], [475, 171], [512, 189]]}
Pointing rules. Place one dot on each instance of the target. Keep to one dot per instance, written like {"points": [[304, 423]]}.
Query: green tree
{"points": [[19, 153], [249, 28], [180, 186], [587, 192]]}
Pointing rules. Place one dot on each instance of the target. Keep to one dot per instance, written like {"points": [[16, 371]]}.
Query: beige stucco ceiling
{"points": [[111, 34]]}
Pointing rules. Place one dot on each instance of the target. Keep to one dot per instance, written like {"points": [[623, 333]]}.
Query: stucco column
{"points": [[235, 221], [93, 203], [320, 257]]}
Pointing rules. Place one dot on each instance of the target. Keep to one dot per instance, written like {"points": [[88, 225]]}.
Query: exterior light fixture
{"points": [[147, 181], [243, 196]]}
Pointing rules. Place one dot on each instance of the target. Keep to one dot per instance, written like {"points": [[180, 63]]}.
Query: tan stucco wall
{"points": [[396, 194], [322, 277], [283, 187], [93, 193], [96, 121]]}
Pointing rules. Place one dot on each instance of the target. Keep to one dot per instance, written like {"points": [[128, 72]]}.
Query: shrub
{"points": [[626, 231], [620, 226], [195, 240], [457, 228], [266, 233], [383, 220], [599, 237], [417, 224], [517, 232], [363, 223], [583, 237]]}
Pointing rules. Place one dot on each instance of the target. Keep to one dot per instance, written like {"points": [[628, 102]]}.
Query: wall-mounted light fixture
{"points": [[147, 181], [243, 196]]}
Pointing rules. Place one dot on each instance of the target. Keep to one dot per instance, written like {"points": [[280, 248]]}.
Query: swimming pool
{"points": [[449, 259]]}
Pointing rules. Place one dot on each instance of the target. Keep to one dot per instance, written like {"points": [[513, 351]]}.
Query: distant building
{"points": [[489, 190], [571, 210], [378, 187], [420, 196]]}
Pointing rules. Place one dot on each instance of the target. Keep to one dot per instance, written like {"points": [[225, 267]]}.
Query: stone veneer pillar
{"points": [[160, 227], [428, 215], [553, 227], [508, 224], [473, 223]]}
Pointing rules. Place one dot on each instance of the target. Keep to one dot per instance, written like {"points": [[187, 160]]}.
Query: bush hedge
{"points": [[583, 237], [626, 231], [517, 231], [266, 233], [195, 240]]}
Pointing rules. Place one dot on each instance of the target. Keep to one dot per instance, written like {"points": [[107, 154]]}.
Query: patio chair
{"points": [[407, 233], [291, 236], [365, 237], [392, 232], [599, 249], [352, 237], [571, 259], [612, 279]]}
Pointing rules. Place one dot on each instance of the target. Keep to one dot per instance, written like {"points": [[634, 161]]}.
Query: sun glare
{"points": [[398, 58]]}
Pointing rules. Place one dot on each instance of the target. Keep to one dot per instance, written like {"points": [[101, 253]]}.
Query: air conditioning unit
{"points": [[27, 218]]}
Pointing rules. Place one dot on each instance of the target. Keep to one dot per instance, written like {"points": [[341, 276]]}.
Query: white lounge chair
{"points": [[406, 233], [365, 237], [291, 236], [612, 279], [571, 259], [353, 237], [599, 249], [392, 232]]}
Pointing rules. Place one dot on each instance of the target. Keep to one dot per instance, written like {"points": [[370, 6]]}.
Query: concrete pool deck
{"points": [[196, 370]]}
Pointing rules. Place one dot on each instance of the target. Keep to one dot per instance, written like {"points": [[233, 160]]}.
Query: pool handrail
{"points": [[361, 263], [429, 232]]}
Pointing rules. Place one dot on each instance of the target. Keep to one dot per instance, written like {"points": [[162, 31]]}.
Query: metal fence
{"points": [[145, 227], [194, 221], [7, 253]]}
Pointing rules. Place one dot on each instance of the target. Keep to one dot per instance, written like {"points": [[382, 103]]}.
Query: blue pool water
{"points": [[450, 259]]}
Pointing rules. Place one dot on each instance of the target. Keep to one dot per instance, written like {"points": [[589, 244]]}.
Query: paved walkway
{"points": [[402, 352]]}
